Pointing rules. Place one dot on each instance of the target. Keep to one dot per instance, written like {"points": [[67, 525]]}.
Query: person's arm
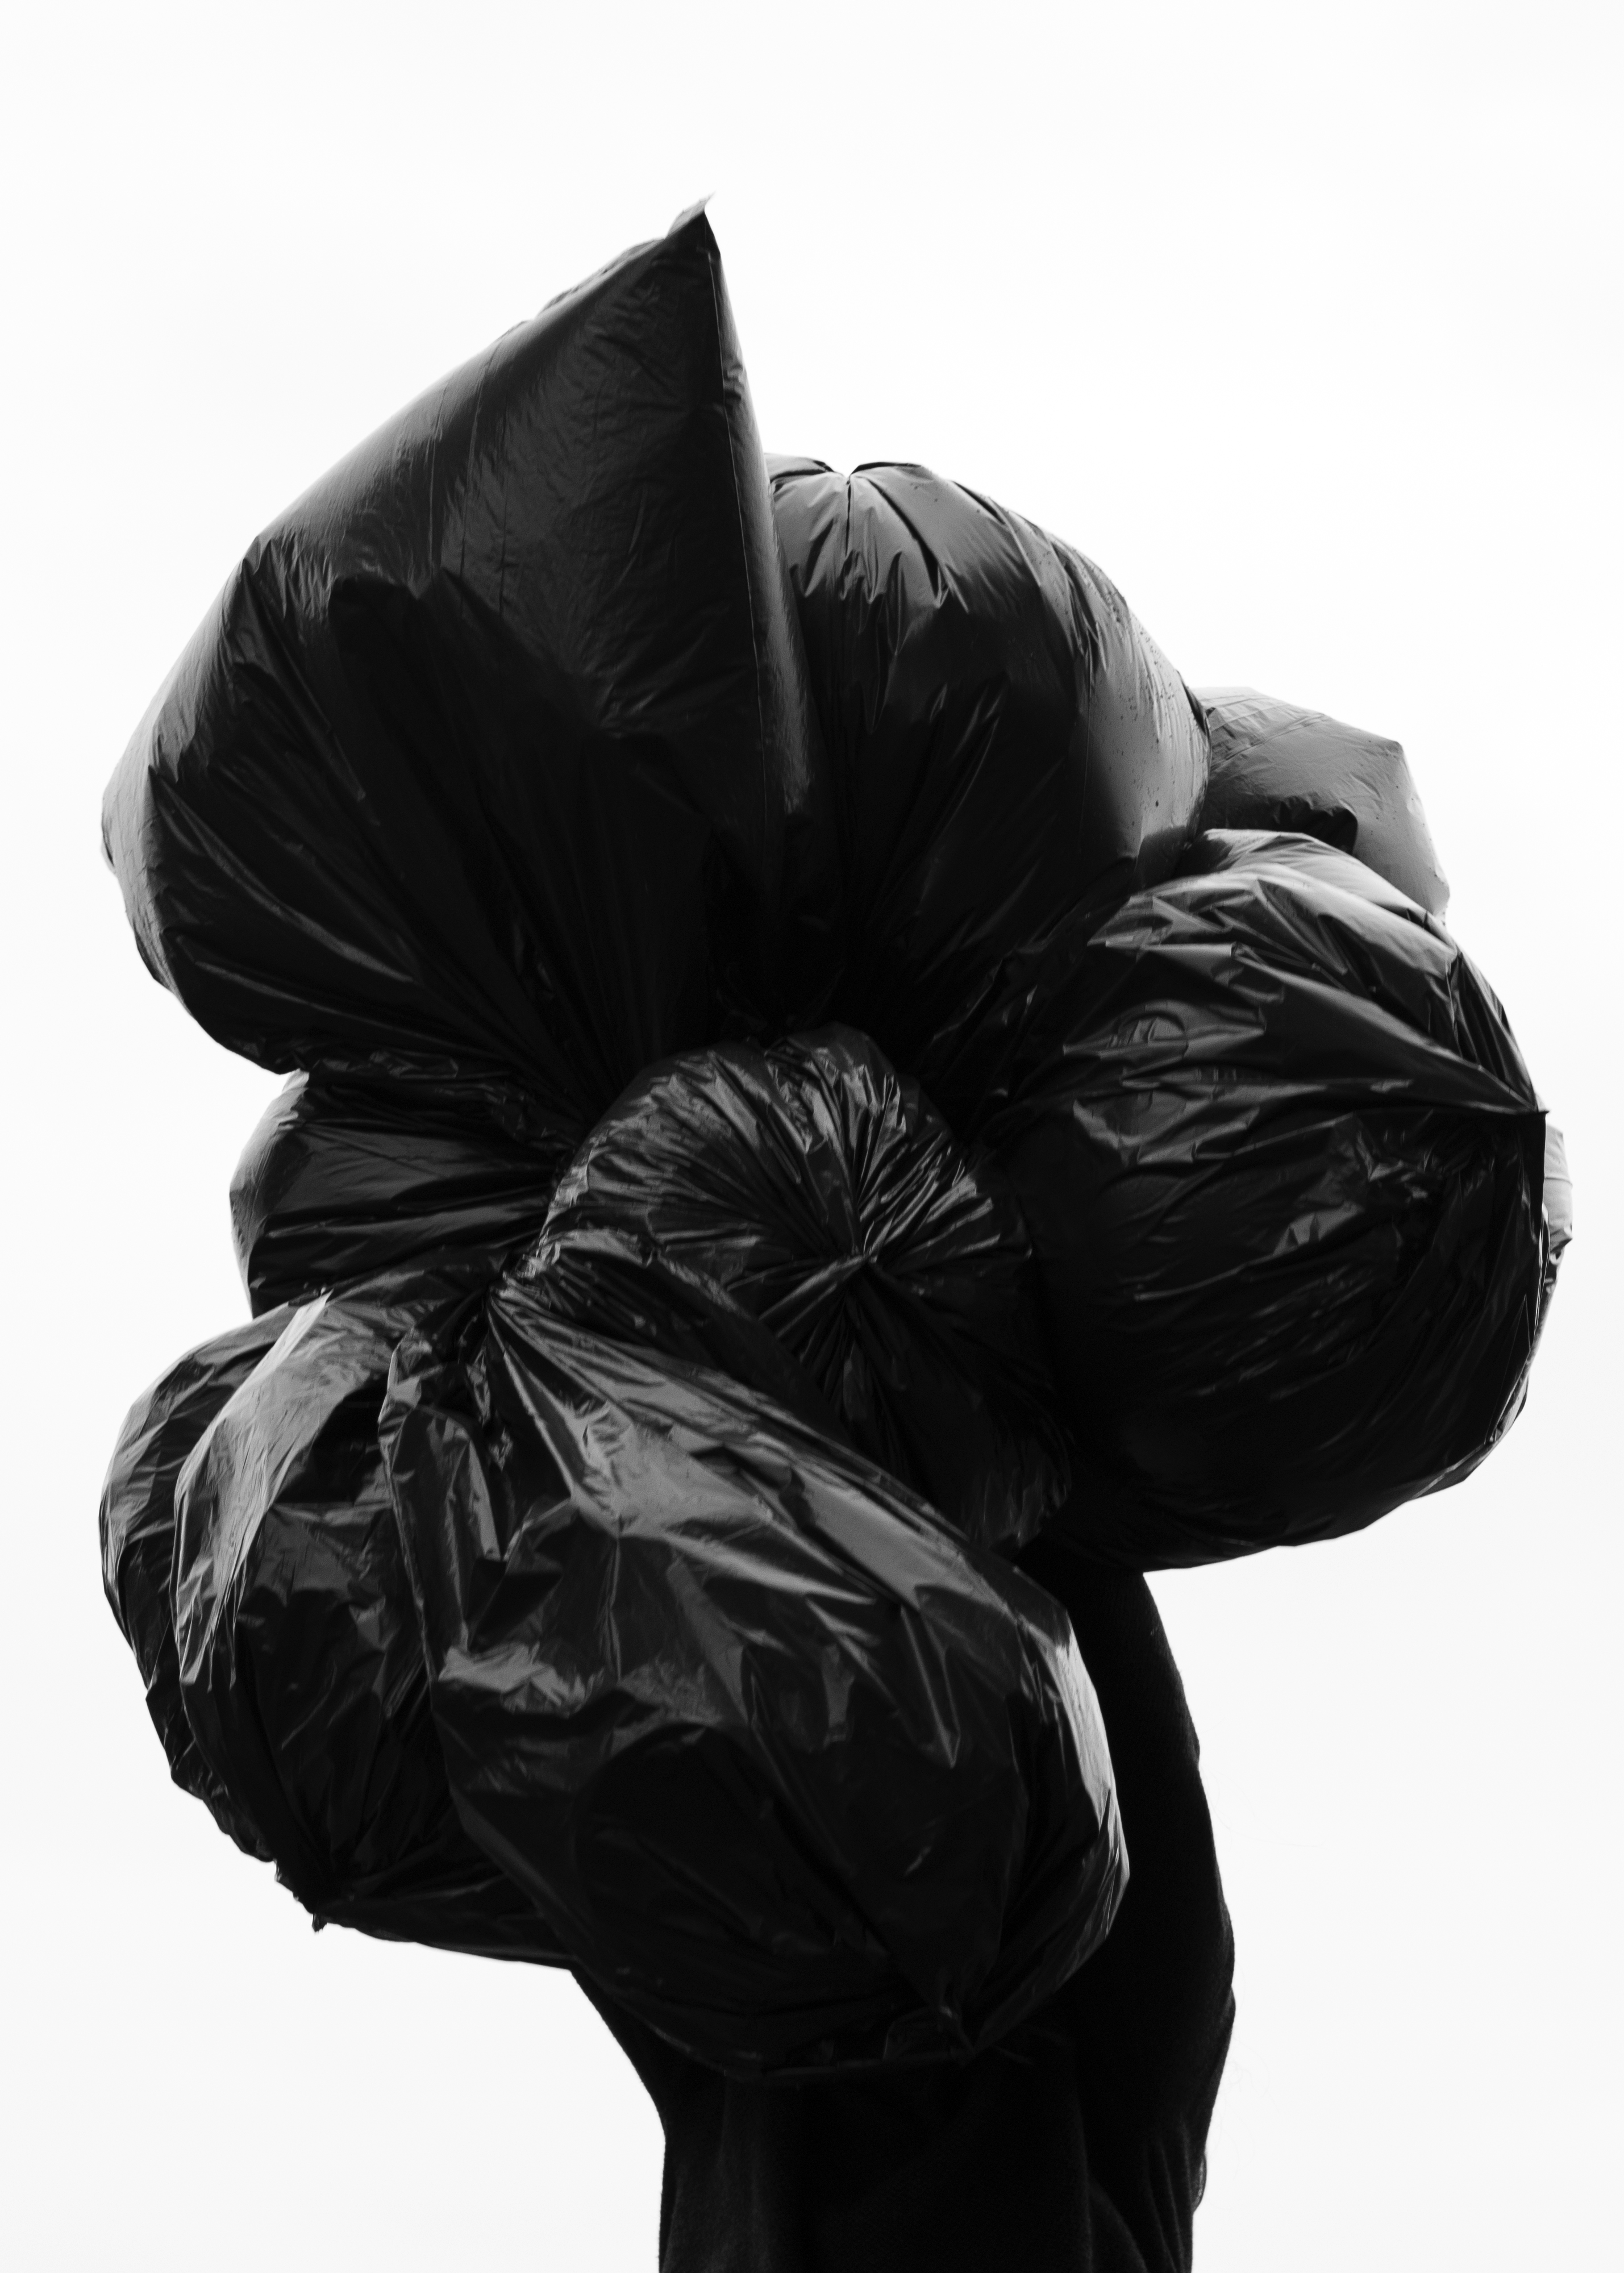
{"points": [[1149, 2015]]}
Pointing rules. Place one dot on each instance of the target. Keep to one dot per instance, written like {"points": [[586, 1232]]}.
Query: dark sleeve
{"points": [[1075, 2145], [1149, 2015]]}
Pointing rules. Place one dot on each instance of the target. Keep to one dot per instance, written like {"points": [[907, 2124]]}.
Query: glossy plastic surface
{"points": [[494, 756], [816, 1189], [1283, 1170], [344, 1178], [1007, 741], [1278, 766], [540, 788], [137, 1539], [801, 1780], [300, 1672]]}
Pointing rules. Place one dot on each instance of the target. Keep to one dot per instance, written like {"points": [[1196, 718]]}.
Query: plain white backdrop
{"points": [[1305, 322]]}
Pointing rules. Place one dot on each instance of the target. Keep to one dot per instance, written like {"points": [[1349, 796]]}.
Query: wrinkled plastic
{"points": [[1283, 1170], [1006, 742], [1558, 1213], [598, 1571], [816, 1190], [137, 1539], [346, 1178], [494, 757], [296, 1638], [1276, 766], [801, 1779]]}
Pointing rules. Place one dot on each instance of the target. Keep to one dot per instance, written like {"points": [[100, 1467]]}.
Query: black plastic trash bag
{"points": [[1007, 741], [300, 1669], [138, 1538], [1278, 766], [817, 1191], [803, 1780], [495, 755], [344, 1178], [1283, 1165]]}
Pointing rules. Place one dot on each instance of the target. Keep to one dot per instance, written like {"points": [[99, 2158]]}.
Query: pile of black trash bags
{"points": [[837, 1114]]}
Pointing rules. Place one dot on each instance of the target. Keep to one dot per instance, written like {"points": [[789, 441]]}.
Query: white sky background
{"points": [[1306, 323]]}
